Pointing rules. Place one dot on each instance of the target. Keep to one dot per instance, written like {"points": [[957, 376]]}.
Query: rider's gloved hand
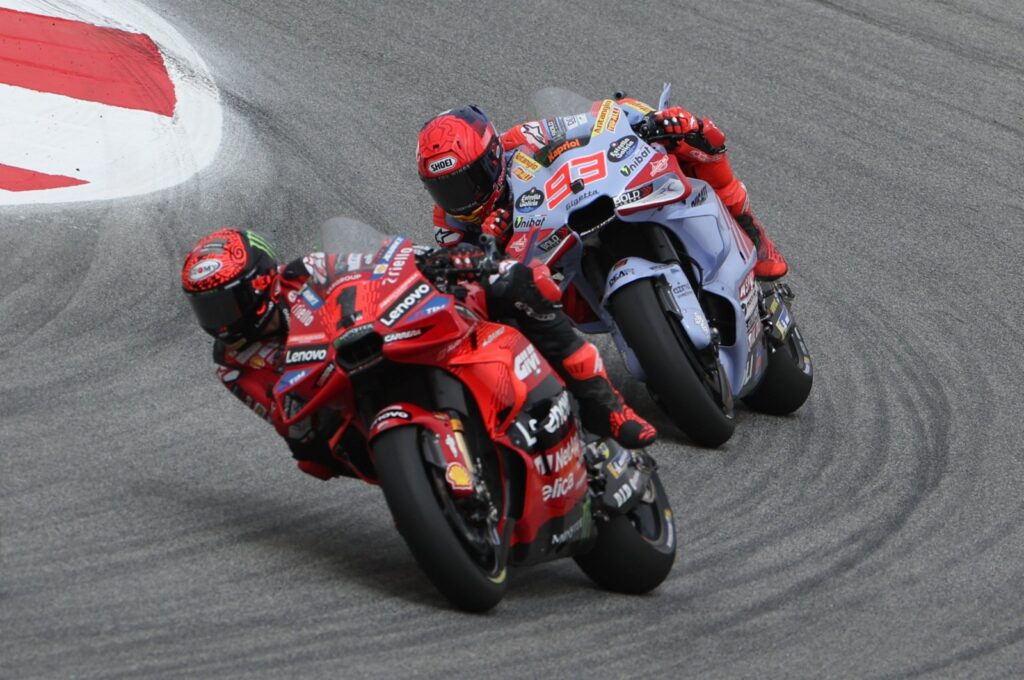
{"points": [[498, 224], [676, 121], [693, 139], [530, 284]]}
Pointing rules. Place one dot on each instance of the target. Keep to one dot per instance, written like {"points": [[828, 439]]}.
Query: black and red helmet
{"points": [[228, 278], [461, 162]]}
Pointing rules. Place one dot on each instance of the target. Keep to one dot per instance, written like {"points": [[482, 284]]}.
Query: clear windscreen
{"points": [[348, 235], [550, 102]]}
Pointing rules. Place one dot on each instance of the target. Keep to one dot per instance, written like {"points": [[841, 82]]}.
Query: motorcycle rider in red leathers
{"points": [[462, 162], [240, 296]]}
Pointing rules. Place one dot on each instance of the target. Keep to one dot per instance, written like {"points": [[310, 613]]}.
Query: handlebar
{"points": [[446, 270]]}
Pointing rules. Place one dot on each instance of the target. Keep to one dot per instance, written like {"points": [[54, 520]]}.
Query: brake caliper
{"points": [[775, 312], [620, 477]]}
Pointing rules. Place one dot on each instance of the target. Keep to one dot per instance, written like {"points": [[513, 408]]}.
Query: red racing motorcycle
{"points": [[467, 429]]}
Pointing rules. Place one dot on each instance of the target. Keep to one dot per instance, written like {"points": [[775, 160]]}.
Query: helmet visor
{"points": [[221, 309], [468, 188]]}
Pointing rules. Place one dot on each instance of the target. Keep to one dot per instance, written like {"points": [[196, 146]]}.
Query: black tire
{"points": [[634, 552], [787, 381], [416, 494], [690, 395]]}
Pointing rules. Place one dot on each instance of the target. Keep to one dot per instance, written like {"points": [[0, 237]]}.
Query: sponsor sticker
{"points": [[533, 132], [553, 239], [557, 151], [305, 354], [638, 160], [639, 107], [203, 269], [579, 199], [659, 165], [530, 200], [306, 339], [302, 314], [447, 237], [569, 534], [613, 120], [495, 334], [525, 162], [432, 306], [523, 223], [403, 335], [316, 265], [311, 299], [699, 197], [521, 174], [518, 244], [560, 487], [634, 195], [390, 414], [601, 122], [571, 122], [410, 300], [458, 477], [439, 165], [289, 379], [622, 148], [527, 363]]}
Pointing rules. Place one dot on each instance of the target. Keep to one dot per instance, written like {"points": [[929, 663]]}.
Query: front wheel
{"points": [[634, 552], [460, 552], [692, 390], [787, 381]]}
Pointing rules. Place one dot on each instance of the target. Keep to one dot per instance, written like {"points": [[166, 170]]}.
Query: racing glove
{"points": [[675, 121], [516, 280], [499, 225], [693, 139]]}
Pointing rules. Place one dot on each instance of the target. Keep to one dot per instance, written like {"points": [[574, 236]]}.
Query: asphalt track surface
{"points": [[151, 527]]}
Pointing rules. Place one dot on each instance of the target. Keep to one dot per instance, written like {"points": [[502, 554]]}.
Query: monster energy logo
{"points": [[256, 241]]}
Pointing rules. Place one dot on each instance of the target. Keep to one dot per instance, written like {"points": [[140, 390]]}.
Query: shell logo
{"points": [[99, 99], [458, 477]]}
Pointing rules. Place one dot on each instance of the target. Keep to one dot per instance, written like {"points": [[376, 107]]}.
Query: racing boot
{"points": [[602, 409], [716, 170], [770, 264]]}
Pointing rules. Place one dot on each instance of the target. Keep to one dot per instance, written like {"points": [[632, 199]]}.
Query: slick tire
{"points": [[670, 362], [787, 380], [421, 520], [634, 553]]}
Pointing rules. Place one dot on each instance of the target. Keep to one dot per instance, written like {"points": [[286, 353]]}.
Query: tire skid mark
{"points": [[903, 385]]}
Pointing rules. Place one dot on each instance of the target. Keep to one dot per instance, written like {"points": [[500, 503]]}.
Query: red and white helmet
{"points": [[462, 163]]}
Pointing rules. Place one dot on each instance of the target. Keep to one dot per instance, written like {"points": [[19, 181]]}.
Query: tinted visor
{"points": [[224, 309], [466, 189]]}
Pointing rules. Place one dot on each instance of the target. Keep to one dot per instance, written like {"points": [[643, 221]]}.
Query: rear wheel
{"points": [[451, 538], [690, 387], [634, 552]]}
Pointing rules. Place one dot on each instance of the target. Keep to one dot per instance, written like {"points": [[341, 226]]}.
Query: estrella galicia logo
{"points": [[530, 201], [623, 148], [311, 299]]}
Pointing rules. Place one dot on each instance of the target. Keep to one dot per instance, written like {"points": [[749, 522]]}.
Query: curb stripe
{"points": [[82, 61], [20, 179]]}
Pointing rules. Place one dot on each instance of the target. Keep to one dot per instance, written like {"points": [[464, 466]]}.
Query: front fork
{"points": [[450, 397], [619, 478], [775, 314], [779, 326]]}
